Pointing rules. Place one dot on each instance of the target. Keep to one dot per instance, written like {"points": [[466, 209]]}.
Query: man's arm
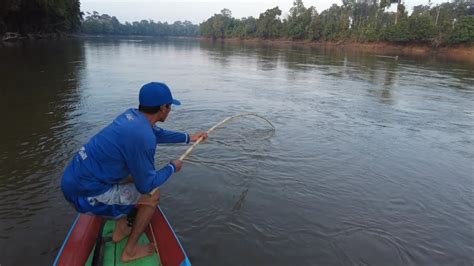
{"points": [[142, 169], [197, 136], [168, 136]]}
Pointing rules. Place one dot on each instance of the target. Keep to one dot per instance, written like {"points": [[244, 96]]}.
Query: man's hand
{"points": [[195, 137], [178, 164]]}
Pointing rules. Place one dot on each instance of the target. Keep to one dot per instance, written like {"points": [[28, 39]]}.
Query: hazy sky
{"points": [[197, 11]]}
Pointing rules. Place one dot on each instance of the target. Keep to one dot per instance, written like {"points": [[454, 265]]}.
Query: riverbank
{"points": [[117, 36], [15, 36], [12, 37], [464, 53]]}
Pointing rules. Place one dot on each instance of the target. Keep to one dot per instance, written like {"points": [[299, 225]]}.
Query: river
{"points": [[371, 162]]}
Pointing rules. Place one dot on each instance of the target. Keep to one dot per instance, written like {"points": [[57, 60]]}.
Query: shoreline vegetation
{"points": [[460, 52], [445, 30], [38, 19]]}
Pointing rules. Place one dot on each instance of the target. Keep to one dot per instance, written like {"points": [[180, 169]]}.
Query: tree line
{"points": [[357, 20], [64, 16], [96, 23], [39, 16]]}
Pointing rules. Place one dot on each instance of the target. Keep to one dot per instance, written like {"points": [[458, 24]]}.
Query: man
{"points": [[114, 173]]}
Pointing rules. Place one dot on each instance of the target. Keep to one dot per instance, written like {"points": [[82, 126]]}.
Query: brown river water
{"points": [[371, 162]]}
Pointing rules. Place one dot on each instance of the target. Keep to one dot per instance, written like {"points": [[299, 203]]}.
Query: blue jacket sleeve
{"points": [[168, 136], [142, 169]]}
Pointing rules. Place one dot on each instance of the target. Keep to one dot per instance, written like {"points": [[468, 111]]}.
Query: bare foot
{"points": [[139, 252], [122, 230]]}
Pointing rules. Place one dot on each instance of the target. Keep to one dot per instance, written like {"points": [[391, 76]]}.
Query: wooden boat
{"points": [[89, 242]]}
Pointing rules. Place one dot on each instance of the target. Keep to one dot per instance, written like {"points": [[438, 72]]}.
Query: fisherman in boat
{"points": [[113, 175]]}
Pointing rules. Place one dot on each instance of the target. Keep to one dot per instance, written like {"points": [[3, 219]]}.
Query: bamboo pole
{"points": [[209, 131], [155, 244], [190, 149]]}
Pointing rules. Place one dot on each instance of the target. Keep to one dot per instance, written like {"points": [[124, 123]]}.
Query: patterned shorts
{"points": [[114, 203]]}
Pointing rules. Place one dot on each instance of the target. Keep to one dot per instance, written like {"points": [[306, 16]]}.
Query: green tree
{"points": [[414, 29], [40, 16], [316, 27], [362, 20], [336, 23], [96, 23], [250, 27], [463, 31], [297, 25], [269, 23], [218, 26]]}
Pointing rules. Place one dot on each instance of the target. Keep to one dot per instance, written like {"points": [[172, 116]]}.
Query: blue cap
{"points": [[156, 94]]}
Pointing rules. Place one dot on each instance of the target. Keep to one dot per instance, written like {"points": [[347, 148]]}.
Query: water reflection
{"points": [[267, 58], [382, 90], [39, 96], [219, 52]]}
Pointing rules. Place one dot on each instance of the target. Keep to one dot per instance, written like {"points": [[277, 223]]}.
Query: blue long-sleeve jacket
{"points": [[125, 147]]}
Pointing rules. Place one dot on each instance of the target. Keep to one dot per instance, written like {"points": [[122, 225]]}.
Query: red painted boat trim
{"points": [[78, 246], [169, 248], [82, 237]]}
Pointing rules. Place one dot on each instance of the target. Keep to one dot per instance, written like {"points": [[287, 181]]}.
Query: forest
{"points": [[96, 23], [356, 20], [40, 16]]}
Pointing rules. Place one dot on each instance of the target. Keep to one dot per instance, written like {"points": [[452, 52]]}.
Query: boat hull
{"points": [[82, 236]]}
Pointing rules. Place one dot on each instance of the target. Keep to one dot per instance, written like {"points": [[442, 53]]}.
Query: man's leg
{"points": [[122, 230], [119, 201], [146, 208]]}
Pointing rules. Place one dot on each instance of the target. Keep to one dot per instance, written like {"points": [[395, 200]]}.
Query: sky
{"points": [[198, 11]]}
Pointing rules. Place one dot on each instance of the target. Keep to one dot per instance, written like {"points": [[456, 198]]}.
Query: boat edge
{"points": [[186, 261], [55, 263]]}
